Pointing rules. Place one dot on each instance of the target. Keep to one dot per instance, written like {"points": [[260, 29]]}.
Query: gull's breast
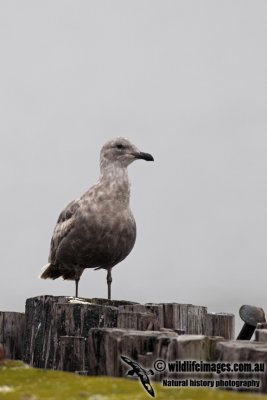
{"points": [[99, 239], [118, 238]]}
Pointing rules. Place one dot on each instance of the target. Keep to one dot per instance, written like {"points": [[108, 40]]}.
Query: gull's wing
{"points": [[64, 225]]}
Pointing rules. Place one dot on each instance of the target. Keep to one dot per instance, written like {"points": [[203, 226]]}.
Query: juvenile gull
{"points": [[97, 230]]}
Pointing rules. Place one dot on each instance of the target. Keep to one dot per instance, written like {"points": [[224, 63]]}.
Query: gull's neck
{"points": [[115, 178]]}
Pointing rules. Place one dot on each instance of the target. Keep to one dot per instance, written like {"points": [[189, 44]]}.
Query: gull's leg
{"points": [[109, 280], [76, 286]]}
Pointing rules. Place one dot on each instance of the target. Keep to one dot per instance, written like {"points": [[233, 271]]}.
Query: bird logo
{"points": [[141, 373]]}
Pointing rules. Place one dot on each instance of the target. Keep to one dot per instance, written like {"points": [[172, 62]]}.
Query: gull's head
{"points": [[122, 152]]}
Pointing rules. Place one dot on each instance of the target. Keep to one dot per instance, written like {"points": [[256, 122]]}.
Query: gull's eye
{"points": [[119, 146]]}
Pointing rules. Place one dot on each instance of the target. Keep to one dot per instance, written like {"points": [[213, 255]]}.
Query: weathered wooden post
{"points": [[244, 351], [140, 316], [2, 352], [185, 348], [50, 317], [187, 317], [220, 324], [261, 332], [105, 346], [137, 320], [72, 353], [12, 327]]}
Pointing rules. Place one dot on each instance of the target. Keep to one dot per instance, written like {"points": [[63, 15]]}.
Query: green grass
{"points": [[20, 382]]}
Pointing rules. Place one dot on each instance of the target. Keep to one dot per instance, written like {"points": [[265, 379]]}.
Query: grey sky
{"points": [[183, 80]]}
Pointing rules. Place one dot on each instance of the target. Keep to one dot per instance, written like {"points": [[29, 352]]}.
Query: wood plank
{"points": [[187, 317], [137, 320], [220, 324], [72, 352], [155, 309], [12, 327]]}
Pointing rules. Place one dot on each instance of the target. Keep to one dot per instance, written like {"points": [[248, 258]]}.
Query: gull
{"points": [[97, 230]]}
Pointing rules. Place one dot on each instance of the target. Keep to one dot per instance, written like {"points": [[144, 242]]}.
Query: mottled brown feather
{"points": [[97, 230]]}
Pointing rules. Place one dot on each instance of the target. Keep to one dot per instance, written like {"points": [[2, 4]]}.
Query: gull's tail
{"points": [[50, 271]]}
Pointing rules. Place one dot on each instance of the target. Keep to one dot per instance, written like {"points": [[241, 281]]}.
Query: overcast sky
{"points": [[185, 81]]}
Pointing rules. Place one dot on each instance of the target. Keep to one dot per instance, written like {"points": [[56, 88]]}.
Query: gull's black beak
{"points": [[144, 156]]}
